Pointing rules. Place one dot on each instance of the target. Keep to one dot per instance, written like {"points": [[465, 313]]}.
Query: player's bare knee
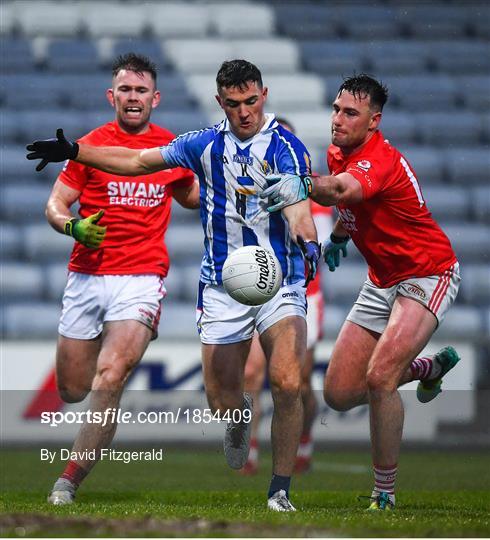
{"points": [[286, 389], [338, 401], [379, 381], [113, 377], [71, 393]]}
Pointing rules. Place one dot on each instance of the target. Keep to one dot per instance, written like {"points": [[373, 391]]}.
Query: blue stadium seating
{"points": [[72, 56], [17, 55], [434, 57]]}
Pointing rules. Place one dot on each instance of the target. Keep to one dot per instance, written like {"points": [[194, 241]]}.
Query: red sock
{"points": [[384, 478], [305, 438], [421, 368], [74, 473]]}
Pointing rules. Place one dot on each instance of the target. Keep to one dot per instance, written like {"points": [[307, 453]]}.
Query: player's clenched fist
{"points": [[52, 150], [86, 231]]}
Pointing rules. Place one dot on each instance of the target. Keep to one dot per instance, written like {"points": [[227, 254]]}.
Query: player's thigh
{"points": [[255, 366], [76, 361], [408, 331], [284, 344], [123, 345], [347, 368]]}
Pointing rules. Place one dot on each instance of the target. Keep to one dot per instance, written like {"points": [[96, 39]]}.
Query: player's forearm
{"points": [[335, 189], [338, 230], [57, 214], [300, 221], [326, 190], [114, 159]]}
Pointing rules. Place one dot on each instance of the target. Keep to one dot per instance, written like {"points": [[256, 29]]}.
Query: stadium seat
{"points": [[55, 276], [72, 56], [182, 215], [15, 168], [432, 20], [270, 55], [178, 321], [313, 128], [474, 91], [442, 129], [343, 285], [9, 21], [480, 198], [305, 21], [21, 281], [185, 243], [17, 55], [476, 249], [51, 19], [396, 57], [43, 124], [458, 57], [179, 122], [461, 322], [195, 56], [399, 128], [112, 19], [190, 281], [30, 91], [85, 91], [481, 27], [178, 20], [327, 57], [147, 47], [466, 166], [173, 284], [31, 320], [334, 319], [448, 203], [27, 199], [366, 21], [9, 239], [242, 20], [427, 164], [475, 284], [423, 93], [41, 243]]}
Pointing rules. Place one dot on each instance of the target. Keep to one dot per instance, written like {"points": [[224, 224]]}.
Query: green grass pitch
{"points": [[193, 493]]}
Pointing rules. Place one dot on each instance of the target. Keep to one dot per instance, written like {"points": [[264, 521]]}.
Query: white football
{"points": [[252, 275]]}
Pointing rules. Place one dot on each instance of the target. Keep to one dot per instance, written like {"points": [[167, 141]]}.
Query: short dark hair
{"points": [[363, 85], [281, 120], [238, 73], [134, 62]]}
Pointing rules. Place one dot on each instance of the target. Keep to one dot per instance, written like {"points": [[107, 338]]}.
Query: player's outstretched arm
{"points": [[287, 189], [112, 159]]}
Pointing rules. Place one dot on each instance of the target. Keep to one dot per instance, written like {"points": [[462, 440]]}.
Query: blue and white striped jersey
{"points": [[231, 176]]}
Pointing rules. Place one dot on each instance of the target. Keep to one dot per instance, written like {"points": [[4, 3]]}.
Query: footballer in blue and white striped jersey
{"points": [[232, 173]]}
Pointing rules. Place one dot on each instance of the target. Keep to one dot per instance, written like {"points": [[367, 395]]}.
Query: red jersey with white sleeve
{"points": [[137, 208], [322, 216], [392, 226]]}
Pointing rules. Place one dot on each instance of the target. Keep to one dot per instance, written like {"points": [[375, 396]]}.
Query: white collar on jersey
{"points": [[269, 124]]}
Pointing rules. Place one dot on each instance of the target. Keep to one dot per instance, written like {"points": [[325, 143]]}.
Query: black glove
{"points": [[52, 150], [311, 254]]}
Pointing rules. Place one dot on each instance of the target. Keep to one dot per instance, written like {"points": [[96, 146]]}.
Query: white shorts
{"points": [[372, 308], [222, 320], [314, 319], [89, 301]]}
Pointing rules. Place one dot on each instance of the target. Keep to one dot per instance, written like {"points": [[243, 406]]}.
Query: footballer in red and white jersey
{"points": [[322, 216], [137, 209], [399, 238]]}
